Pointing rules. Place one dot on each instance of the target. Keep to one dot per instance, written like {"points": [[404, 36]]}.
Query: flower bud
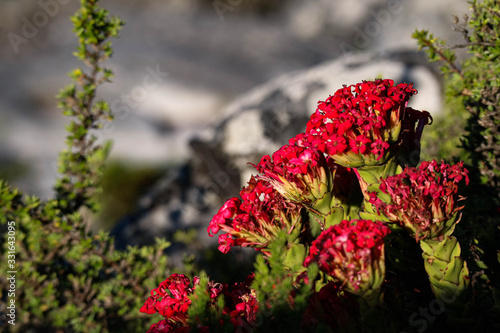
{"points": [[352, 252], [423, 199], [256, 218]]}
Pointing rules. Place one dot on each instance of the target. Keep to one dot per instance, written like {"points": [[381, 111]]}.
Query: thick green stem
{"points": [[448, 272], [325, 212], [372, 174]]}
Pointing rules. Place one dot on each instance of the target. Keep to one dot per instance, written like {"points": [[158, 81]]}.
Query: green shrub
{"points": [[68, 279]]}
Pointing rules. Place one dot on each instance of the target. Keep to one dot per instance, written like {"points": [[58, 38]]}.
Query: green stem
{"points": [[448, 272], [372, 174], [325, 212]]}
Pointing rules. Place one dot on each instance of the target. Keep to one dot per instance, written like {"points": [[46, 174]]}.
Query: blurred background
{"points": [[179, 64]]}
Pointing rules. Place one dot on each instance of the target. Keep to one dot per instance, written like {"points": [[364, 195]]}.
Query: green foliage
{"points": [[472, 91], [281, 295], [68, 279], [81, 164], [282, 298], [474, 86], [201, 311], [441, 141]]}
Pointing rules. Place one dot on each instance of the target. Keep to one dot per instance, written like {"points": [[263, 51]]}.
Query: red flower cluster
{"points": [[171, 300], [166, 326], [291, 161], [423, 199], [299, 174], [353, 253], [254, 219], [358, 124], [240, 303]]}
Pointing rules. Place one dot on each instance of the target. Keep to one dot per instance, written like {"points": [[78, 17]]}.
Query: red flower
{"points": [[310, 179], [353, 253], [255, 219], [424, 199], [365, 119], [378, 147], [299, 174], [171, 300], [359, 144], [226, 242], [166, 326], [241, 303]]}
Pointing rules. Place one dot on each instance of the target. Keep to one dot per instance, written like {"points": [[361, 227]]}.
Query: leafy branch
{"points": [[81, 163], [68, 279]]}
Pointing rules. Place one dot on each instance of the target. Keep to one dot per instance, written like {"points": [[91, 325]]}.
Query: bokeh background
{"points": [[205, 54]]}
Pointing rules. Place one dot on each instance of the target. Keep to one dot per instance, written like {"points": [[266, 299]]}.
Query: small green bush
{"points": [[68, 279]]}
